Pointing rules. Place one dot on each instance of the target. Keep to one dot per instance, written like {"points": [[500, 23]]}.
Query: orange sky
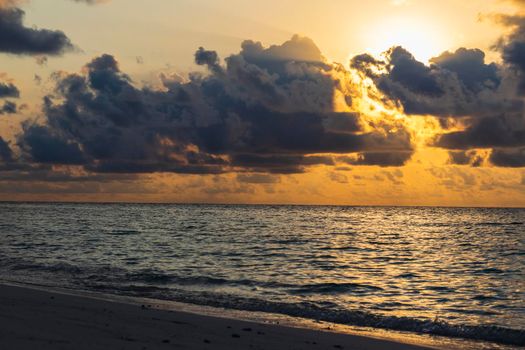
{"points": [[161, 37]]}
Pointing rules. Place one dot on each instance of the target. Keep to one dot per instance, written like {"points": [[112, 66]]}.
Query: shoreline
{"points": [[37, 317]]}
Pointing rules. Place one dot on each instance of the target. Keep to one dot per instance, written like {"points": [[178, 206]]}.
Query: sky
{"points": [[384, 102]]}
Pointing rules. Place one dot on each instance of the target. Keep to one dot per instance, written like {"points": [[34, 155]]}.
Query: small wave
{"points": [[124, 232], [491, 270], [485, 297], [441, 289], [63, 268], [335, 288], [161, 278], [58, 267], [408, 275], [514, 223], [148, 276], [472, 312]]}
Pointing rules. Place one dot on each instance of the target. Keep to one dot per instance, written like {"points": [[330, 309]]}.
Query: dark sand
{"points": [[35, 319]]}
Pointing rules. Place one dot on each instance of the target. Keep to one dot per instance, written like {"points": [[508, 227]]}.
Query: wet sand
{"points": [[37, 319]]}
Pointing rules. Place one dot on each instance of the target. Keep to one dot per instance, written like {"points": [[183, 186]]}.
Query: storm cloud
{"points": [[454, 84], [265, 110], [484, 99]]}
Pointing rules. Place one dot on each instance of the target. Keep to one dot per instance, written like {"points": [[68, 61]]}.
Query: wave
{"points": [[513, 223], [328, 313], [159, 278], [335, 288], [123, 232], [158, 285]]}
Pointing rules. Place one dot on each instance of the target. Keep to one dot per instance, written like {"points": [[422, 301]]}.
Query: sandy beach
{"points": [[36, 319]]}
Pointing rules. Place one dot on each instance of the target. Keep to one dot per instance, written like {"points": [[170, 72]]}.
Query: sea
{"points": [[449, 272]]}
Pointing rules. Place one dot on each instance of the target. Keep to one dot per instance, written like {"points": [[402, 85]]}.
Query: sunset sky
{"points": [[384, 102]]}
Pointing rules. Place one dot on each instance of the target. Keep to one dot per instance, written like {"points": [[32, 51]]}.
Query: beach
{"points": [[38, 319]]}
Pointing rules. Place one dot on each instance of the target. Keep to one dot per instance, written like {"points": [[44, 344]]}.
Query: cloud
{"points": [[265, 110], [9, 90], [484, 100], [338, 177], [503, 130], [378, 158], [512, 47], [8, 108], [17, 39], [485, 133], [472, 158], [512, 158], [456, 179], [470, 67], [456, 84], [6, 154], [48, 148], [258, 178]]}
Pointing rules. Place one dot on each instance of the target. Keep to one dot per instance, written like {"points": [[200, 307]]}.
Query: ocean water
{"points": [[445, 271]]}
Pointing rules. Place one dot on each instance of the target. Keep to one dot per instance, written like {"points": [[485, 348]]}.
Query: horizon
{"points": [[256, 204], [399, 103]]}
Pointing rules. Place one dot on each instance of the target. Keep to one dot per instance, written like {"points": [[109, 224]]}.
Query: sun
{"points": [[423, 38]]}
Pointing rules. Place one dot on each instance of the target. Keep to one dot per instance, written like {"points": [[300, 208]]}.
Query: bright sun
{"points": [[422, 38]]}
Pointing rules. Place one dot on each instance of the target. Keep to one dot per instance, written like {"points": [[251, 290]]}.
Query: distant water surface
{"points": [[447, 271]]}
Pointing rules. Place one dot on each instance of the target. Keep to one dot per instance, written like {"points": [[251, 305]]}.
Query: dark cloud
{"points": [[6, 154], [17, 39], [471, 158], [8, 108], [280, 164], [44, 173], [383, 159], [266, 110], [480, 96], [208, 58], [46, 147], [406, 71], [502, 129], [457, 84], [469, 66], [512, 47], [513, 158], [485, 133], [8, 90]]}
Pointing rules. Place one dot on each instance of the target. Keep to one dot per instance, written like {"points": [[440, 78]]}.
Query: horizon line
{"points": [[257, 204]]}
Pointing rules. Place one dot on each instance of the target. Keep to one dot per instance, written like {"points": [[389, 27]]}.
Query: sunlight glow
{"points": [[420, 36]]}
